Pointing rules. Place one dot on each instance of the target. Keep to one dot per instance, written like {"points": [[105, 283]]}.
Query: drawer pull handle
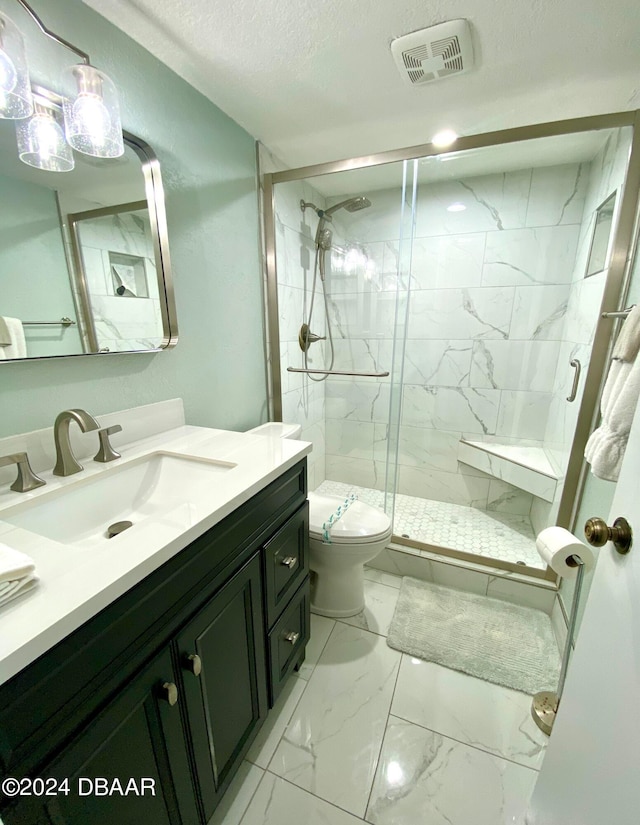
{"points": [[170, 693], [291, 636], [290, 562], [194, 663]]}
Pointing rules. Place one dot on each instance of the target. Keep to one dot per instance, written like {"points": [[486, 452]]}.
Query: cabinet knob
{"points": [[290, 562], [170, 693], [291, 636], [598, 533], [193, 663]]}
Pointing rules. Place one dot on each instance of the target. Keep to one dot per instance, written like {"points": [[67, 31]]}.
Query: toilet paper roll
{"points": [[557, 546]]}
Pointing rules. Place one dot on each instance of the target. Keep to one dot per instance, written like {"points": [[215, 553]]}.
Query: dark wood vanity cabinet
{"points": [[170, 683]]}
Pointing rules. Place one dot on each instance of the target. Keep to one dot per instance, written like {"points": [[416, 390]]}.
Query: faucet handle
{"points": [[27, 480], [106, 451]]}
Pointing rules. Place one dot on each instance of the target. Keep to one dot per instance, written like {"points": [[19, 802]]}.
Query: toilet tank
{"points": [[278, 429]]}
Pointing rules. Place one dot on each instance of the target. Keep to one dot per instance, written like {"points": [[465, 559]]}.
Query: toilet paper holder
{"points": [[598, 533]]}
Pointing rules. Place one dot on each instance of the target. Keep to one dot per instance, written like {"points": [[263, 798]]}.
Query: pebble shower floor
{"points": [[501, 536]]}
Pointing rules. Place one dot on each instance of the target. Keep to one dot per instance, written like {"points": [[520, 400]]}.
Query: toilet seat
{"points": [[359, 524]]}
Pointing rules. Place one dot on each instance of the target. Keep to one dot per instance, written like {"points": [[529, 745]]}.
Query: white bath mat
{"points": [[496, 641]]}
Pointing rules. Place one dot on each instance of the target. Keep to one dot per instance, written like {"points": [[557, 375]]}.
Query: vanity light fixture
{"points": [[15, 89], [90, 105], [41, 141], [91, 112], [456, 207], [445, 138]]}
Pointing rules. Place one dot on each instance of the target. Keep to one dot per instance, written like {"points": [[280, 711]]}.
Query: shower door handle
{"points": [[576, 379]]}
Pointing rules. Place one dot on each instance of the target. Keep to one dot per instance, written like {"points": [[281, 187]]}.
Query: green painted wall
{"points": [[208, 167], [34, 281]]}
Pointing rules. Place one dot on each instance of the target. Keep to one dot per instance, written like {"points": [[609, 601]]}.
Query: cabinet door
{"points": [[224, 676], [139, 736]]}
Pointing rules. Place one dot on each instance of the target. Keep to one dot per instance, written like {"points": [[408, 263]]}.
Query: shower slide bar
{"points": [[340, 372], [622, 313]]}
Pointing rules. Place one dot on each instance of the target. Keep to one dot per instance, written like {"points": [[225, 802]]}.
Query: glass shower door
{"points": [[342, 252]]}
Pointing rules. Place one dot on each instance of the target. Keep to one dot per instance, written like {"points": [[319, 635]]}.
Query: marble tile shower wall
{"points": [[121, 323], [604, 176], [303, 399], [489, 290]]}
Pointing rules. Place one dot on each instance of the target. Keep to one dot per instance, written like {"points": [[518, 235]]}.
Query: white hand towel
{"points": [[18, 346], [606, 446], [17, 588], [14, 564], [628, 342], [5, 335]]}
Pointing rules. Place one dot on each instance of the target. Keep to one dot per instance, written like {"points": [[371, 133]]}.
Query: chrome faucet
{"points": [[66, 463]]}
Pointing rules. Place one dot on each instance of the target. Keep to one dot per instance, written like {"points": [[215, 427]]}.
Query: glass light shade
{"points": [[15, 89], [91, 112], [41, 141]]}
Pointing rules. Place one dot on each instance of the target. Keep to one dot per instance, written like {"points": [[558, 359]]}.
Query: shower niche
{"points": [[450, 306]]}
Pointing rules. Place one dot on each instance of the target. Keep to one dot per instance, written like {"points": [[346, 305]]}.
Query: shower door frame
{"points": [[623, 250]]}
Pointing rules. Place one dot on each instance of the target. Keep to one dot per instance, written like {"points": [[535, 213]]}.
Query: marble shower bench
{"points": [[527, 468]]}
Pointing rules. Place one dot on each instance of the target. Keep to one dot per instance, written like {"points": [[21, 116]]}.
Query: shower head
{"points": [[351, 205]]}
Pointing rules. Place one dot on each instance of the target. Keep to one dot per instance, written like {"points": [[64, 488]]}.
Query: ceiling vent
{"points": [[434, 53]]}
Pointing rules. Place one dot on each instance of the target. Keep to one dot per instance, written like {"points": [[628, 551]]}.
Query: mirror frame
{"points": [[155, 203]]}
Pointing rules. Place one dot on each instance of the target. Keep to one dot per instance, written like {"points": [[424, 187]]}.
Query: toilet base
{"points": [[336, 614], [337, 593]]}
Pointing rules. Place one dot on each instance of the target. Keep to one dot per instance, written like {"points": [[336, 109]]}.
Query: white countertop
{"points": [[78, 582]]}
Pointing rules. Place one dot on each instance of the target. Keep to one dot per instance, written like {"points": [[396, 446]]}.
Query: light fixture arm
{"points": [[83, 55]]}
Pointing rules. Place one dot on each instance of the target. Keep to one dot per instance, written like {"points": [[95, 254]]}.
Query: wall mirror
{"points": [[601, 234], [84, 255]]}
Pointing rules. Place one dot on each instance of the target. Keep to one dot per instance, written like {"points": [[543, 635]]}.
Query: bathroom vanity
{"points": [[170, 682]]}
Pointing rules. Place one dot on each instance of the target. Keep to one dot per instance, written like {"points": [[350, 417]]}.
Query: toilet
{"points": [[338, 561], [337, 555]]}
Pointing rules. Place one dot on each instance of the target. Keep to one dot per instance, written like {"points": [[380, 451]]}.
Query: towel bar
{"points": [[63, 322], [340, 372], [622, 313]]}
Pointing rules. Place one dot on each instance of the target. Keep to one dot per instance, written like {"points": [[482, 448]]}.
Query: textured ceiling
{"points": [[315, 79]]}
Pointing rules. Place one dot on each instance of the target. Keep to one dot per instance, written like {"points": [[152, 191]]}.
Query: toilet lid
{"points": [[361, 522]]}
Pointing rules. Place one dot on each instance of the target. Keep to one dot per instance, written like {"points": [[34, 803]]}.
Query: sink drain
{"points": [[117, 528]]}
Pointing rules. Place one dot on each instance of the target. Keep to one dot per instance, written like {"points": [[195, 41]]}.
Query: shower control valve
{"points": [[306, 337]]}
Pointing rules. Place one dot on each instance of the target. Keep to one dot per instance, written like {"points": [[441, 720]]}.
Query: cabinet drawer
{"points": [[286, 559], [288, 638]]}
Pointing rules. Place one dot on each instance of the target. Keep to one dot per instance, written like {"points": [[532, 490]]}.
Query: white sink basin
{"points": [[148, 486]]}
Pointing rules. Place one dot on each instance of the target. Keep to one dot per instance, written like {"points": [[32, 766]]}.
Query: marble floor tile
{"points": [[238, 796], [270, 733], [379, 606], [478, 713], [424, 777], [321, 628], [381, 577], [277, 802], [332, 742]]}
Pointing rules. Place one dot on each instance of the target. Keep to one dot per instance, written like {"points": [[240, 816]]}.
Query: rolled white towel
{"points": [[628, 342], [12, 589], [606, 446], [14, 564]]}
